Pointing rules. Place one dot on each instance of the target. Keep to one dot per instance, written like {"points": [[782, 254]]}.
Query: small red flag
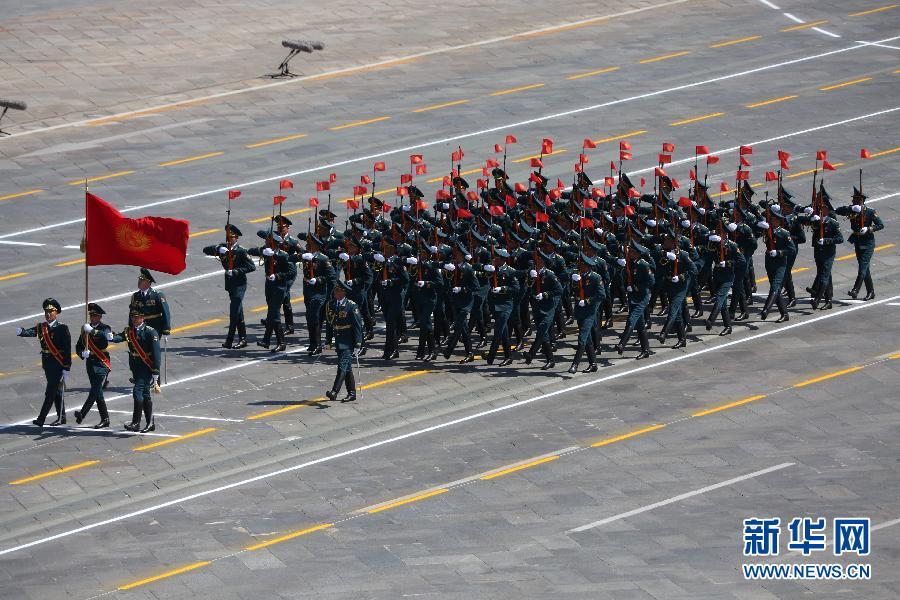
{"points": [[232, 194], [365, 179], [609, 181], [379, 166], [485, 172], [701, 150], [684, 201], [498, 148], [442, 195], [624, 145], [420, 205], [559, 184], [456, 156], [665, 159], [402, 191], [588, 203], [463, 213], [589, 143], [332, 178], [624, 155], [481, 183], [643, 182], [542, 217], [447, 180], [723, 186], [828, 166], [421, 169], [353, 204], [360, 190], [497, 210], [555, 194], [784, 165], [511, 139], [586, 223], [583, 159], [668, 147], [612, 166], [658, 172], [865, 153], [535, 178], [322, 186], [405, 178], [537, 163], [693, 175], [633, 193], [597, 193], [415, 159], [711, 160], [771, 176], [821, 155], [314, 202], [520, 188], [510, 201], [472, 196], [546, 146], [782, 155], [629, 210], [492, 163], [745, 162], [285, 184], [742, 175], [746, 150], [579, 168], [278, 200], [675, 185]]}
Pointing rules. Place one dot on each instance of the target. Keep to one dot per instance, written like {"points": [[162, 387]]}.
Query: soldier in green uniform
{"points": [[236, 263], [144, 362], [826, 235], [638, 278], [428, 284], [393, 281], [278, 270], [343, 325], [318, 279], [779, 248], [589, 295], [546, 294], [463, 288], [56, 360], [864, 222], [504, 285], [152, 304], [91, 347], [358, 276], [676, 269], [727, 261]]}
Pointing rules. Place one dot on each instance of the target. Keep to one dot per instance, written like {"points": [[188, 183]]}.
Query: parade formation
{"points": [[519, 268]]}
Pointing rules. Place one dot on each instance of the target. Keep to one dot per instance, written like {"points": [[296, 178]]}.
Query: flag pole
{"points": [[86, 271]]}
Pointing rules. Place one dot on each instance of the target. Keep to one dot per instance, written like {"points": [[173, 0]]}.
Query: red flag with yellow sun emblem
{"points": [[157, 243]]}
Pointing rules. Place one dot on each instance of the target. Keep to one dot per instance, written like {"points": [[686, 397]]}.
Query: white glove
{"points": [[420, 283], [628, 288], [109, 336], [539, 296], [762, 225], [344, 256], [229, 272], [856, 208], [730, 204], [651, 223], [85, 354], [731, 227], [87, 327], [412, 260], [406, 208], [496, 290], [821, 241], [468, 257], [701, 210], [223, 250], [268, 252], [313, 280], [722, 263], [582, 303], [670, 255], [773, 253], [598, 231], [445, 206], [815, 218], [715, 238], [776, 207], [450, 267], [863, 230], [576, 277], [489, 268], [532, 273], [18, 331], [456, 290], [685, 222], [378, 257], [432, 249], [65, 376], [675, 279], [808, 210], [271, 277], [349, 283], [384, 282], [306, 256], [620, 262]]}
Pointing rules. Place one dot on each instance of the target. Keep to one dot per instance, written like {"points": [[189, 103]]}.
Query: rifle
{"points": [[227, 224]]}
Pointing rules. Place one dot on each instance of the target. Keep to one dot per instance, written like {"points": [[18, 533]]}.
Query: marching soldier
{"points": [[589, 297], [144, 362], [727, 257], [151, 303], [779, 248], [826, 235], [463, 288], [236, 263], [677, 270], [344, 325], [639, 280], [864, 222], [91, 347], [56, 360], [291, 245], [318, 278], [279, 270], [428, 285], [504, 286], [358, 278], [547, 292], [393, 279]]}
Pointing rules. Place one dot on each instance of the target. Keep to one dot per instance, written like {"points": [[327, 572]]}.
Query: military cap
{"points": [[775, 212], [327, 214], [94, 309], [135, 312], [342, 285], [459, 181], [145, 274], [498, 173], [310, 237], [858, 194], [282, 220], [584, 180], [588, 260], [786, 196], [639, 248], [233, 230], [376, 202], [414, 192], [501, 252], [52, 304], [624, 181]]}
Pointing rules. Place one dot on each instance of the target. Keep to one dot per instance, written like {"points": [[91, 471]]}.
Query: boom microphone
{"points": [[13, 104]]}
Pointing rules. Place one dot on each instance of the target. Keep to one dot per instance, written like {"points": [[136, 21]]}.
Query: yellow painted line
{"points": [[873, 11], [893, 356], [358, 123], [527, 465], [517, 89], [12, 276], [877, 249], [696, 119], [410, 375], [204, 232], [286, 138], [768, 102], [379, 192], [716, 409], [408, 500], [797, 270], [808, 171], [804, 26], [438, 106], [592, 73], [886, 152], [664, 57], [54, 472], [285, 214], [141, 113], [626, 436], [20, 194], [180, 438], [181, 161], [436, 179], [718, 194], [751, 38], [527, 158], [264, 307], [621, 137], [828, 376], [100, 178], [165, 575], [845, 84], [195, 325], [69, 263], [289, 536]]}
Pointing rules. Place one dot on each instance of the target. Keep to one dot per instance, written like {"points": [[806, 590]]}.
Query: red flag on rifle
{"points": [[589, 143], [711, 160], [612, 166], [583, 159], [278, 200], [472, 196], [535, 178], [588, 203], [821, 155], [405, 178], [537, 163], [693, 175], [360, 190], [481, 184], [379, 166], [668, 147], [546, 146], [498, 148], [496, 210], [232, 194], [322, 186], [865, 153], [542, 217], [624, 155], [365, 179], [510, 201], [643, 182], [771, 176], [314, 203], [579, 168], [332, 178], [421, 169], [285, 184], [701, 150], [586, 223], [520, 188], [597, 193], [492, 163], [782, 155], [745, 162], [784, 165], [457, 155], [658, 172], [353, 204], [723, 186], [415, 159], [402, 191], [675, 185], [511, 139], [665, 159], [624, 145], [742, 175], [442, 195], [609, 181], [684, 201], [746, 150], [463, 213], [828, 166]]}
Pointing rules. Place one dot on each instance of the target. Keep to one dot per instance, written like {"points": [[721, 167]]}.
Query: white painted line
{"points": [[440, 426], [679, 498], [408, 57], [191, 417], [820, 30], [793, 18], [87, 429], [72, 247], [886, 524], [24, 243], [461, 136], [769, 4], [893, 303]]}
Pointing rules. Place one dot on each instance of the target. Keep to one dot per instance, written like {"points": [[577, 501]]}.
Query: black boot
{"points": [[432, 354], [726, 319], [856, 285], [267, 337], [242, 336], [420, 351], [682, 337], [592, 359], [350, 383], [336, 386], [530, 356], [548, 355], [578, 352], [229, 339], [645, 345], [279, 338], [626, 335], [870, 287], [288, 321], [767, 307], [779, 302]]}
